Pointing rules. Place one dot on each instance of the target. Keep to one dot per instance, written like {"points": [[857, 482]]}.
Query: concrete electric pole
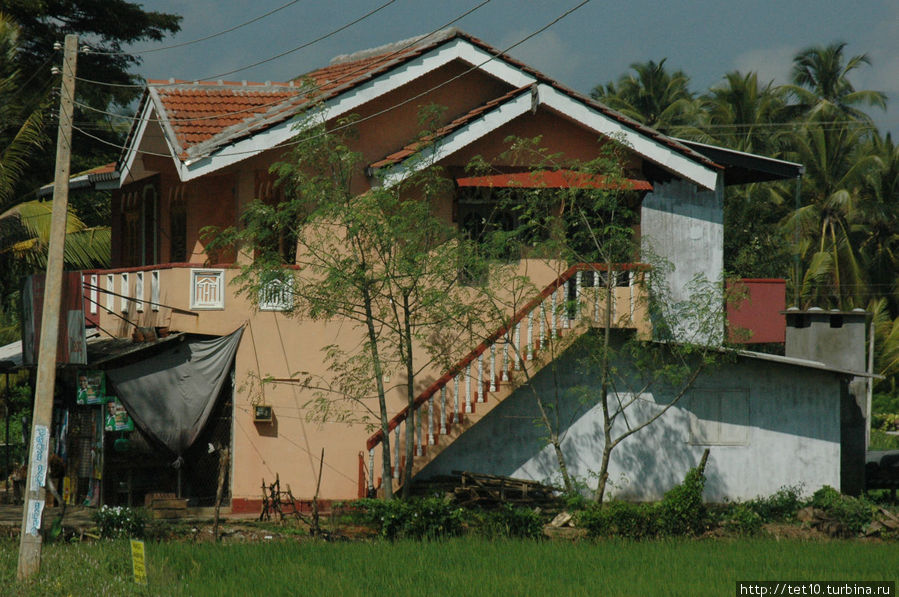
{"points": [[30, 541]]}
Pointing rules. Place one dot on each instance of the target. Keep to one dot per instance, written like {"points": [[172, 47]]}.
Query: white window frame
{"points": [[198, 303], [283, 296]]}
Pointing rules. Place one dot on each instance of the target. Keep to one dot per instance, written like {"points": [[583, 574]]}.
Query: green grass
{"points": [[463, 567], [883, 441]]}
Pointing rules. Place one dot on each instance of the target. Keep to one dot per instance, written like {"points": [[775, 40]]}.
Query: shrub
{"points": [[514, 522], [780, 506], [120, 521], [425, 518], [622, 519], [743, 520], [854, 513], [682, 511]]}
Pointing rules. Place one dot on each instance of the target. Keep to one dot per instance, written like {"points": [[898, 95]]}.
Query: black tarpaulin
{"points": [[171, 394]]}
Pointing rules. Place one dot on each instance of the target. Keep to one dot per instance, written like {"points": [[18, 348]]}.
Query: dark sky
{"points": [[593, 45]]}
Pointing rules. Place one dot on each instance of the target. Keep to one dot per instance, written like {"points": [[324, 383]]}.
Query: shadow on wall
{"points": [[512, 441], [768, 415]]}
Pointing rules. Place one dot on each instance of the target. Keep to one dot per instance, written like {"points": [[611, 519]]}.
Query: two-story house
{"points": [[199, 152]]}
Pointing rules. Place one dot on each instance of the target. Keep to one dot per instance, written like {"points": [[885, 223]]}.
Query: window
{"points": [[178, 225], [719, 417]]}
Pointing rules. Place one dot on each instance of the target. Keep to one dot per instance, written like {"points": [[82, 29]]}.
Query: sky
{"points": [[593, 45]]}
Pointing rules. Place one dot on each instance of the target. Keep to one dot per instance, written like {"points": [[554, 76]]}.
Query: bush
{"points": [[426, 518], [682, 511], [853, 513], [513, 522], [119, 521], [780, 506], [621, 519], [743, 520]]}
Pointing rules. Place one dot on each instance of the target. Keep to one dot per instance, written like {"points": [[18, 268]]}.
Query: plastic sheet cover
{"points": [[170, 394]]}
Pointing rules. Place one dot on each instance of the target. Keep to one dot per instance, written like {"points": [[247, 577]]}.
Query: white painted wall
{"points": [[781, 428], [684, 225]]}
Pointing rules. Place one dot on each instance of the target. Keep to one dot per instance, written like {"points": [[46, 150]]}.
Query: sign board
{"points": [[40, 451], [71, 344], [138, 562], [35, 512]]}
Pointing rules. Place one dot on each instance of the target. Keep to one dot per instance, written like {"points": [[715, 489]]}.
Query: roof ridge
{"points": [[405, 44], [186, 83]]}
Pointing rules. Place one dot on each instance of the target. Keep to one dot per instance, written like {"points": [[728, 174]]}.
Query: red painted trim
{"points": [[147, 268], [160, 266], [763, 280], [254, 506], [378, 436], [553, 179], [245, 506]]}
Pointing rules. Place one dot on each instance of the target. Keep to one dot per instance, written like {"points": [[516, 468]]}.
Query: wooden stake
{"points": [[223, 467], [315, 530]]}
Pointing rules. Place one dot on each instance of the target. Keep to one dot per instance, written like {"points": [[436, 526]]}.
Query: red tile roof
{"points": [[214, 114], [198, 112]]}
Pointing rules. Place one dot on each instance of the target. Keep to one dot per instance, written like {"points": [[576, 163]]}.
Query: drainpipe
{"points": [[797, 281]]}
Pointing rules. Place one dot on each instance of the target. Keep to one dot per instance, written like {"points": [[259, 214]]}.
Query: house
{"points": [[199, 152]]}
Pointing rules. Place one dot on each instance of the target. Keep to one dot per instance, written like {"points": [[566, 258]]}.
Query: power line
{"points": [[269, 59], [336, 81], [384, 110], [198, 40]]}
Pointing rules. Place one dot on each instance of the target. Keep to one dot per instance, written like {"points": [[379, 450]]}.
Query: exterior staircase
{"points": [[505, 360]]}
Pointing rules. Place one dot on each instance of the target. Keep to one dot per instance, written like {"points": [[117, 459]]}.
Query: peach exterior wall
{"points": [[277, 346]]}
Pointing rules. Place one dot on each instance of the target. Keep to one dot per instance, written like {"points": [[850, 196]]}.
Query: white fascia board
{"points": [[132, 151], [458, 49], [645, 146], [463, 137]]}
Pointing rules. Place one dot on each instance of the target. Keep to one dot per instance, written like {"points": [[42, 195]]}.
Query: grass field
{"points": [[459, 567]]}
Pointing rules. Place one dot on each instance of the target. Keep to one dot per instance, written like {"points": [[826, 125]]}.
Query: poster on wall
{"points": [[91, 387], [117, 418]]}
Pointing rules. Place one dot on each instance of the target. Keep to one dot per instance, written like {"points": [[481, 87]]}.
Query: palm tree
{"points": [[24, 226], [651, 96], [21, 132], [822, 87], [831, 187], [876, 222], [742, 114], [831, 142], [25, 229]]}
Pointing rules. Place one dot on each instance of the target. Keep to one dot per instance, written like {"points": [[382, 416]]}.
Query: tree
{"points": [[379, 258], [742, 114], [822, 87], [21, 129], [651, 96], [877, 220], [25, 226], [107, 28], [590, 223]]}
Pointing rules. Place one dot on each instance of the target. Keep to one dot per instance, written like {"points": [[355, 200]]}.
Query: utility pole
{"points": [[32, 515]]}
